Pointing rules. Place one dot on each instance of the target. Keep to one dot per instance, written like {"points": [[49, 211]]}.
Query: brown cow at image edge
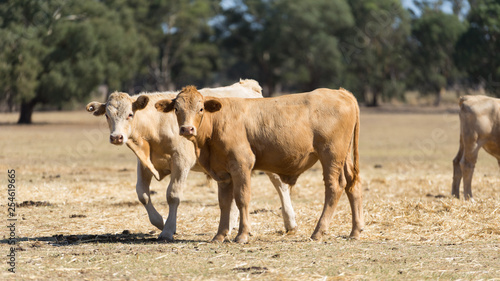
{"points": [[479, 127]]}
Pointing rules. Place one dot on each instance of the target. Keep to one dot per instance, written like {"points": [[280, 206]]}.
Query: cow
{"points": [[161, 151], [284, 135], [479, 127]]}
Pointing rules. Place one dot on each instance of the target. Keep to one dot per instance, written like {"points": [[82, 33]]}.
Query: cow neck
{"points": [[136, 135], [141, 129], [201, 143], [204, 132]]}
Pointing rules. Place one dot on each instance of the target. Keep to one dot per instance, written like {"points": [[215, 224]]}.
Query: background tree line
{"points": [[53, 51]]}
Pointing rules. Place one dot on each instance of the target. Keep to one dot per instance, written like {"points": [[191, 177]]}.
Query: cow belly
{"points": [[493, 148], [290, 164]]}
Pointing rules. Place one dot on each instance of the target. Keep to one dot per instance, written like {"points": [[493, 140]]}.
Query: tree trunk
{"points": [[26, 112], [439, 96], [268, 89], [374, 101], [266, 75], [365, 95]]}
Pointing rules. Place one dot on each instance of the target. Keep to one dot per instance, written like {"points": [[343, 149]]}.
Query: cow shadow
{"points": [[78, 239]]}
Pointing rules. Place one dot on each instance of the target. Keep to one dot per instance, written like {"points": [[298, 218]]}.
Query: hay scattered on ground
{"points": [[79, 216]]}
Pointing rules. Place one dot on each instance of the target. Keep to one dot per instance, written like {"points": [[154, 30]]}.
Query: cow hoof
{"points": [[241, 239], [166, 237], [317, 236], [292, 231], [219, 238], [355, 234], [166, 240]]}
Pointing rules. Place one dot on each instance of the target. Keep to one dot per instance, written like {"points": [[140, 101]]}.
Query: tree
{"points": [[434, 35], [286, 44], [308, 40], [239, 31], [57, 50], [458, 6], [180, 32], [375, 50], [477, 49]]}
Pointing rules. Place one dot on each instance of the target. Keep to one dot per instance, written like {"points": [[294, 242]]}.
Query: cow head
{"points": [[190, 107], [119, 111]]}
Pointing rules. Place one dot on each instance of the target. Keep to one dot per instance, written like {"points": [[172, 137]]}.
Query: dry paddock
{"points": [[78, 216]]}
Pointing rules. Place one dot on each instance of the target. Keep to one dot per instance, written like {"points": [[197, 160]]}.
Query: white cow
{"points": [[154, 138]]}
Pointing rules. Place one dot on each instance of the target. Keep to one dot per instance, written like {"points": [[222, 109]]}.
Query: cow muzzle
{"points": [[187, 131], [116, 139]]}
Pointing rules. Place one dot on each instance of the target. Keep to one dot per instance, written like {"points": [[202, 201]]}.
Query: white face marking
{"points": [[119, 116]]}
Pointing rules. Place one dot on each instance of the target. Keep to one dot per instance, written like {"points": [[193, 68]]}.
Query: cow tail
{"points": [[355, 177]]}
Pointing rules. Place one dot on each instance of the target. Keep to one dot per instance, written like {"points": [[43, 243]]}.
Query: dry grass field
{"points": [[78, 216]]}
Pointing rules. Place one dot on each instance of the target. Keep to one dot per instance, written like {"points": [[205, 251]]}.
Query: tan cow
{"points": [[479, 127], [284, 135], [161, 151]]}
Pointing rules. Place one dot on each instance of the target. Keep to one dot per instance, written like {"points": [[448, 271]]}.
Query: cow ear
{"points": [[165, 105], [212, 105], [140, 103], [97, 108]]}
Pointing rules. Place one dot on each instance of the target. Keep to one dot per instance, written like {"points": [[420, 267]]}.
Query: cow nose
{"points": [[187, 131], [116, 139]]}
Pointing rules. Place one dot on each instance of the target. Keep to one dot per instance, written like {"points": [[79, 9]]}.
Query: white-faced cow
{"points": [[284, 135], [161, 151], [479, 127]]}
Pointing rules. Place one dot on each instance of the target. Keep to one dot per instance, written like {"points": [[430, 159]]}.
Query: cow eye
{"points": [[175, 109], [130, 115], [201, 109]]}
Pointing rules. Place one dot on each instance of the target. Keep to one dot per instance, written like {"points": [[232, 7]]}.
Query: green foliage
{"points": [[375, 49], [309, 36], [20, 64], [179, 32], [434, 36], [53, 51], [477, 49], [60, 50], [286, 43]]}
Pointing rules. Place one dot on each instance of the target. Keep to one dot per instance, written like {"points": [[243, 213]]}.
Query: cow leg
{"points": [[225, 194], [286, 203], [174, 194], [242, 194], [144, 177], [457, 170], [355, 195], [467, 164], [333, 191], [233, 221], [233, 216]]}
